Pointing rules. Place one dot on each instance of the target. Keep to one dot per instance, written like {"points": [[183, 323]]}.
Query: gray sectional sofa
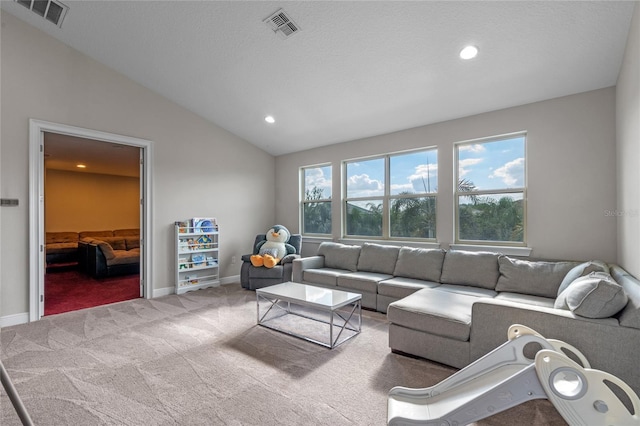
{"points": [[453, 307]]}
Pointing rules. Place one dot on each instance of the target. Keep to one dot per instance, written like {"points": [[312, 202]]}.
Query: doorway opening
{"points": [[79, 219], [92, 197]]}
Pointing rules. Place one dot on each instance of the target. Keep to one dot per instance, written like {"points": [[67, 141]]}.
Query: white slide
{"points": [[506, 377]]}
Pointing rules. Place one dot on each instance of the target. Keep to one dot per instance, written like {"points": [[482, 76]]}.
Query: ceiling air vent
{"points": [[281, 24], [52, 11]]}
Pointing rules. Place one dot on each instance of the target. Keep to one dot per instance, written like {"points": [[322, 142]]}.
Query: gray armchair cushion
{"points": [[378, 258], [535, 278], [595, 296], [478, 269], [421, 264], [339, 256]]}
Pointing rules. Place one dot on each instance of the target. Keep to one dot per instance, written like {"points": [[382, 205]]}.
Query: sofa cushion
{"points": [[323, 276], [468, 290], [479, 269], [61, 237], [84, 234], [595, 296], [378, 258], [59, 248], [107, 250], [421, 264], [116, 243], [123, 257], [433, 311], [399, 287], [126, 232], [532, 277], [339, 256], [581, 270], [362, 281], [132, 242]]}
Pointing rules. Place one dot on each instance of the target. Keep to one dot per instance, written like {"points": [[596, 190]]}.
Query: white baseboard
{"points": [[171, 290], [14, 319]]}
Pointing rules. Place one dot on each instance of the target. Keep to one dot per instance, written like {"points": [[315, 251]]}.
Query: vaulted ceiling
{"points": [[355, 69]]}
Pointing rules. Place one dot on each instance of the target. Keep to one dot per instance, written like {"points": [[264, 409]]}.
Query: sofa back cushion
{"points": [[116, 243], [537, 278], [126, 232], [84, 234], [378, 258], [132, 242], [339, 256], [62, 237], [479, 269], [420, 264]]}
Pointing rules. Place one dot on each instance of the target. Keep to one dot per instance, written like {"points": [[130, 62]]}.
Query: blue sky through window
{"points": [[319, 177], [414, 172], [493, 165]]}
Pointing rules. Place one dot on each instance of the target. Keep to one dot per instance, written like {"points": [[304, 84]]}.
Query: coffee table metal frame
{"points": [[280, 299]]}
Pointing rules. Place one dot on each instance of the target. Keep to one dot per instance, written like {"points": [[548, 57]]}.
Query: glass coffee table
{"points": [[304, 311]]}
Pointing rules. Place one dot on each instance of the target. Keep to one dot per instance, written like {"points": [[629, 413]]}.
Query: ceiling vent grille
{"points": [[282, 24], [52, 11]]}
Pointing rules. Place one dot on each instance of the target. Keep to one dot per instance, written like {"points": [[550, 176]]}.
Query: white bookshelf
{"points": [[197, 258]]}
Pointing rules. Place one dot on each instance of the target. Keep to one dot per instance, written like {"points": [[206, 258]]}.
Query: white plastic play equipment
{"points": [[506, 377]]}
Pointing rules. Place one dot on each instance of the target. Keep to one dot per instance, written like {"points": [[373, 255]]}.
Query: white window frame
{"points": [[458, 193], [304, 201], [385, 199]]}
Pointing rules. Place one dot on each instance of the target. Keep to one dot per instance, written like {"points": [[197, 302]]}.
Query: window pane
{"points": [[414, 173], [413, 217], [317, 218], [495, 217], [492, 165], [317, 183], [365, 178], [364, 218]]}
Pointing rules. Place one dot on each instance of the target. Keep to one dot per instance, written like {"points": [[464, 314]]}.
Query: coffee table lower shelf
{"points": [[306, 319]]}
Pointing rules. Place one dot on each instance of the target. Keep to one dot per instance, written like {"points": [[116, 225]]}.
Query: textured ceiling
{"points": [[356, 69]]}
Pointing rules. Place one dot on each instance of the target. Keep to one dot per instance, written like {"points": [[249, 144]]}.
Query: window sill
{"points": [[508, 250]]}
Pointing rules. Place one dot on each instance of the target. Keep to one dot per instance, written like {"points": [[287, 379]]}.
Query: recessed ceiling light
{"points": [[81, 166], [469, 52], [269, 119]]}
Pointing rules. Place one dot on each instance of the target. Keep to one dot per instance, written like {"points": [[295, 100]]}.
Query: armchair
{"points": [[252, 278]]}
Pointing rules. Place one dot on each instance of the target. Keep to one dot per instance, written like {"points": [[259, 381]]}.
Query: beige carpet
{"points": [[199, 359]]}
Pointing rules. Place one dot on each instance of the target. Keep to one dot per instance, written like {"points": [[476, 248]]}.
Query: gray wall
{"points": [[628, 150], [197, 169], [571, 160]]}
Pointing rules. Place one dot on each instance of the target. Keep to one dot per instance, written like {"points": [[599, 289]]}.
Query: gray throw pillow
{"points": [[378, 258], [479, 269], [582, 270], [595, 296], [536, 278], [340, 256], [420, 264]]}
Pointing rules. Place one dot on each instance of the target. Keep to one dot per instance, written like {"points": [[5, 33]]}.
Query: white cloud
{"points": [[316, 178], [467, 162], [475, 148], [424, 175], [362, 186], [512, 173]]}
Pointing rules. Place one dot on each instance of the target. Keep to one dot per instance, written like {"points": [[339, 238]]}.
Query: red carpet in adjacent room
{"points": [[70, 290]]}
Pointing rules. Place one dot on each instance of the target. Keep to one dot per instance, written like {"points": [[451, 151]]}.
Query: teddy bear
{"points": [[274, 248]]}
